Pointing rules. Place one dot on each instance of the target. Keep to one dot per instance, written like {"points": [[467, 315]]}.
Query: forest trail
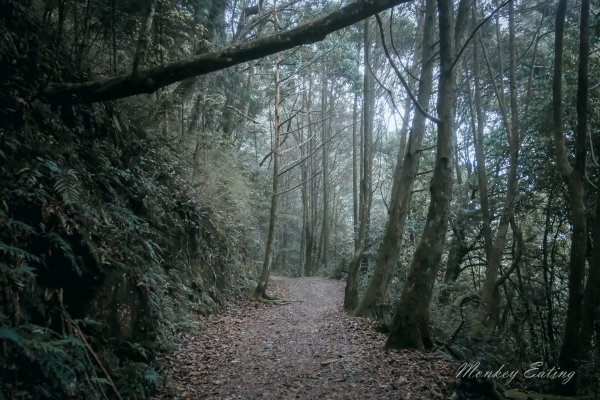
{"points": [[308, 349]]}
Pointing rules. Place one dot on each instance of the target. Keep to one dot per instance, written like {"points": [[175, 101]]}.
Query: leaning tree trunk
{"points": [[407, 165], [410, 327]]}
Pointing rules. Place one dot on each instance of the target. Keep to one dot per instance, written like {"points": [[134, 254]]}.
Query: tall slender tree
{"points": [[326, 114], [261, 287], [495, 243], [365, 190], [573, 175]]}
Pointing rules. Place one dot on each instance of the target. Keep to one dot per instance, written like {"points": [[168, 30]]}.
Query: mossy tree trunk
{"points": [[407, 165], [410, 326]]}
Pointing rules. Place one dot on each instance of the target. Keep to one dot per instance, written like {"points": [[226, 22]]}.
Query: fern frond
{"points": [[7, 333], [20, 226], [17, 253], [125, 216], [61, 244], [52, 166], [66, 185], [87, 322], [17, 273], [151, 246]]}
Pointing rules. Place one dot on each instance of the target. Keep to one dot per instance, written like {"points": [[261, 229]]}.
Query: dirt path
{"points": [[309, 349]]}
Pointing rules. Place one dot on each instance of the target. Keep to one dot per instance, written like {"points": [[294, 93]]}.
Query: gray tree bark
{"points": [[410, 326], [407, 165], [365, 192]]}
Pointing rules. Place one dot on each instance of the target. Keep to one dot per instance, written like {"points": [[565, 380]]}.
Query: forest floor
{"points": [[307, 349]]}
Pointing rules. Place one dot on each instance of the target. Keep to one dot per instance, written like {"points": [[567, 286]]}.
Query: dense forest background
{"points": [[160, 159]]}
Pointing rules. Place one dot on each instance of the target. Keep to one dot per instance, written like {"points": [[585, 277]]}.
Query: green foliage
{"points": [[66, 186], [16, 253], [88, 196], [60, 244], [135, 379], [50, 363]]}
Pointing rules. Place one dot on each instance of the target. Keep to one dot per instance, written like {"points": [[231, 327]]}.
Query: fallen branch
{"points": [[275, 301], [152, 79]]}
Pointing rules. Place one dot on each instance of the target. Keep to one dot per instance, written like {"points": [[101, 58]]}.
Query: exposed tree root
{"points": [[274, 301]]}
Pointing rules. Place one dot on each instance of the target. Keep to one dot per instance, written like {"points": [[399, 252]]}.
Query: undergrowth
{"points": [[105, 248]]}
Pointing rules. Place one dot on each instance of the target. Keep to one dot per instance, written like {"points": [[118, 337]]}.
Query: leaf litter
{"points": [[307, 349]]}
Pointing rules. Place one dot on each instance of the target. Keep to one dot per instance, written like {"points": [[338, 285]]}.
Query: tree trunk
{"points": [[355, 183], [364, 213], [488, 309], [113, 58], [410, 327], [326, 112], [458, 248], [573, 176], [456, 254], [304, 189], [548, 274], [260, 291], [407, 166], [142, 46], [310, 232], [591, 295]]}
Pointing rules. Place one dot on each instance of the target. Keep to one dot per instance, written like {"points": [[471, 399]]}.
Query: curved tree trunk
{"points": [[407, 166], [410, 327]]}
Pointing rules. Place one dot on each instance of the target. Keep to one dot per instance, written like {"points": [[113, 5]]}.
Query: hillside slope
{"points": [[104, 246]]}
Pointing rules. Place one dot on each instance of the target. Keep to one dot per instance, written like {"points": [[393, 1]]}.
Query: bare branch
{"points": [[294, 165], [486, 19], [399, 75]]}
